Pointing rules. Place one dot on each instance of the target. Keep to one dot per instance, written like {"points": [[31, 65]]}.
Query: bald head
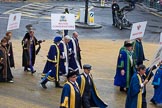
{"points": [[75, 34]]}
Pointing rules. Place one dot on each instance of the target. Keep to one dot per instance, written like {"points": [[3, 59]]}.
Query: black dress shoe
{"points": [[26, 70], [33, 71], [44, 86], [123, 89], [57, 85], [152, 100]]}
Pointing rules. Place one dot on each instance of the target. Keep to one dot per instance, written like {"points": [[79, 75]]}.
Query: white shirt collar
{"points": [[72, 82], [85, 74]]}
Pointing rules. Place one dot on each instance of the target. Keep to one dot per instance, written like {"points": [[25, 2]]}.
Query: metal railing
{"points": [[156, 4]]}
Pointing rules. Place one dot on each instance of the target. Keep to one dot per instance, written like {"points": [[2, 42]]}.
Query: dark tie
{"points": [[76, 43], [76, 88], [89, 80]]}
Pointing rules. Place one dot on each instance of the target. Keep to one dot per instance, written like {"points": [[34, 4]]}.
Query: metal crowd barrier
{"points": [[156, 4]]}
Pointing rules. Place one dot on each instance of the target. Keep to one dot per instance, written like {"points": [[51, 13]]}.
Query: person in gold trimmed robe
{"points": [[51, 69], [90, 97], [135, 97], [71, 97]]}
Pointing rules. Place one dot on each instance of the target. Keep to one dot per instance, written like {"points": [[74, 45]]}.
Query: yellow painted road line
{"points": [[29, 13], [34, 8], [26, 5], [29, 10], [11, 11], [46, 17], [42, 6], [29, 16], [156, 14]]}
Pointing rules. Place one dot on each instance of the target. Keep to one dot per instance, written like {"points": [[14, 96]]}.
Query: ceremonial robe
{"points": [[11, 55], [62, 69], [51, 69], [95, 100], [138, 54], [76, 48], [134, 95], [70, 97], [72, 60], [29, 50], [157, 82], [5, 71], [124, 62]]}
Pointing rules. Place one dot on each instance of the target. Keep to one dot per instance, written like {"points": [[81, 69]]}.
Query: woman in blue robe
{"points": [[157, 82]]}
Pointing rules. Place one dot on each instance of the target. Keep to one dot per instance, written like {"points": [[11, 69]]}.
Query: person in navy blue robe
{"points": [[72, 60], [125, 67], [90, 97], [71, 97], [157, 83], [62, 59], [138, 56], [51, 69], [137, 87]]}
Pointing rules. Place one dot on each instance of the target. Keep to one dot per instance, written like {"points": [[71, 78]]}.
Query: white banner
{"points": [[14, 21], [62, 21], [157, 57], [161, 38], [138, 30]]}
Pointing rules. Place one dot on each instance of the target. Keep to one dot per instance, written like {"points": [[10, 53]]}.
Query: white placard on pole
{"points": [[62, 21], [157, 57], [138, 30], [161, 38], [14, 21]]}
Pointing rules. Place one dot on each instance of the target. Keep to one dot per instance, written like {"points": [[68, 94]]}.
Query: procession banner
{"points": [[161, 38], [14, 21], [138, 30], [62, 21], [157, 57]]}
